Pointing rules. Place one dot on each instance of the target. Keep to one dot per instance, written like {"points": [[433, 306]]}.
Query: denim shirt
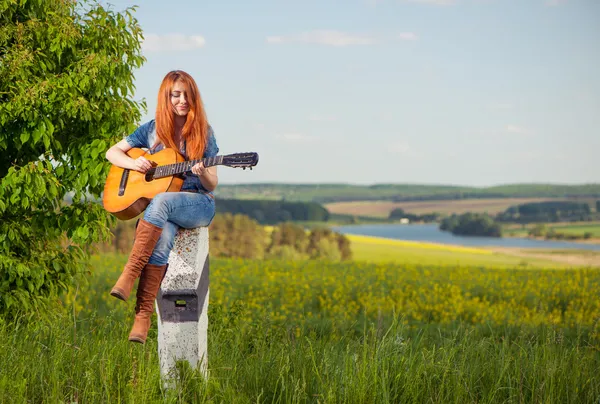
{"points": [[145, 136]]}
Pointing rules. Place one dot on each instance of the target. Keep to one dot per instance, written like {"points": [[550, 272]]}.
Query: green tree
{"points": [[66, 81], [538, 231], [472, 224], [449, 223], [289, 234], [286, 253], [326, 249], [397, 213], [316, 235], [344, 247], [236, 236]]}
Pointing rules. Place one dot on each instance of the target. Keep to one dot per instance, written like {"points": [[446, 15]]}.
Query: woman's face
{"points": [[179, 99]]}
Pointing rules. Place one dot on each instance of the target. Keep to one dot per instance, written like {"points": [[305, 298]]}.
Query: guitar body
{"points": [[127, 193]]}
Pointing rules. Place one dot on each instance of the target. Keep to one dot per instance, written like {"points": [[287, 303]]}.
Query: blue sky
{"points": [[464, 92]]}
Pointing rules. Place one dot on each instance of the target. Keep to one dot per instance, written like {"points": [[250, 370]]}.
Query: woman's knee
{"points": [[157, 211]]}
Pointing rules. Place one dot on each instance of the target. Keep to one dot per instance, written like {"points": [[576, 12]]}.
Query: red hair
{"points": [[195, 129]]}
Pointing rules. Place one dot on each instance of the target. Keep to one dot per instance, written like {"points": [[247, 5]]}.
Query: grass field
{"points": [[578, 228], [381, 250], [375, 249], [327, 332], [383, 208]]}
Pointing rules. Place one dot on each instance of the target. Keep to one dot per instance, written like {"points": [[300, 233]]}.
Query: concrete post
{"points": [[182, 304]]}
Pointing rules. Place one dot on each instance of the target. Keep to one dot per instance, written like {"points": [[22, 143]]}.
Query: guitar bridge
{"points": [[123, 183]]}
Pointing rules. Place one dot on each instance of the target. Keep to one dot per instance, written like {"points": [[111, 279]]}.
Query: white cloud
{"points": [[276, 39], [324, 37], [294, 137], [172, 42], [519, 130], [407, 36], [501, 131], [401, 148], [386, 116], [322, 118]]}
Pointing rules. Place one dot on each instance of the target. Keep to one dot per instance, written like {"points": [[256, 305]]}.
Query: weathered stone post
{"points": [[182, 304]]}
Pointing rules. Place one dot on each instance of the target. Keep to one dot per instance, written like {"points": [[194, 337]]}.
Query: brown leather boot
{"points": [[150, 281], [146, 237]]}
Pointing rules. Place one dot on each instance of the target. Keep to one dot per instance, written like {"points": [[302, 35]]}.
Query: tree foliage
{"points": [[237, 236], [66, 81], [547, 211], [322, 240], [289, 234], [471, 224], [272, 212], [397, 213]]}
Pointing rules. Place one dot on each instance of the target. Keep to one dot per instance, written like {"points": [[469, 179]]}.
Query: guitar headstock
{"points": [[241, 160]]}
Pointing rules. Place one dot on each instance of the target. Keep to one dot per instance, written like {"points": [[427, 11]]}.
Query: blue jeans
{"points": [[172, 210]]}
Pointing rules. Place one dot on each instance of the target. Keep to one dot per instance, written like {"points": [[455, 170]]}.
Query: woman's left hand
{"points": [[199, 169]]}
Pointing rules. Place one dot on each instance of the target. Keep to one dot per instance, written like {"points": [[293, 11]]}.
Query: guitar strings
{"points": [[172, 169]]}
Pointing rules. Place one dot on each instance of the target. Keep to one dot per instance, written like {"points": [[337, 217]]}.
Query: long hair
{"points": [[195, 129]]}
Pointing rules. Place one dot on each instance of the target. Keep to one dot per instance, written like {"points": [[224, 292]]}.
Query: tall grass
{"points": [[79, 353]]}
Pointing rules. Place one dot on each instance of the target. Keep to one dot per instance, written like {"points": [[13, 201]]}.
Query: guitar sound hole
{"points": [[150, 175]]}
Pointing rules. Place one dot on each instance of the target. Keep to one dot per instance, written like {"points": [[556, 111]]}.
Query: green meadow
{"points": [[375, 249], [440, 325], [576, 229]]}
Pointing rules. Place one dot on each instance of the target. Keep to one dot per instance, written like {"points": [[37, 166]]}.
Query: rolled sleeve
{"points": [[139, 138], [212, 149]]}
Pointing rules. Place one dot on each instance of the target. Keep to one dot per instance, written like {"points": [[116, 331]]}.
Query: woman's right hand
{"points": [[142, 164]]}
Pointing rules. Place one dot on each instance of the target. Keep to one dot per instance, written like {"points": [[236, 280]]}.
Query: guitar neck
{"points": [[184, 166]]}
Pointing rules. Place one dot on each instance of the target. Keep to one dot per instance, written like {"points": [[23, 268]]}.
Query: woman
{"points": [[180, 123]]}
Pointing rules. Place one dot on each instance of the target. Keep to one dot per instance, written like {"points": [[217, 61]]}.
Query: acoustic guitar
{"points": [[127, 192]]}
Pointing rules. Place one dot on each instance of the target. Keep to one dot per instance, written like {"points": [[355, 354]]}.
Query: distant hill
{"points": [[326, 193]]}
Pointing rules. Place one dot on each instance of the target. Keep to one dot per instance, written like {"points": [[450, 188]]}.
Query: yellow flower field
{"points": [[376, 249], [290, 331], [295, 292]]}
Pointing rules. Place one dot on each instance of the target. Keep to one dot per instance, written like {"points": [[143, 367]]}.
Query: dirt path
{"points": [[575, 258]]}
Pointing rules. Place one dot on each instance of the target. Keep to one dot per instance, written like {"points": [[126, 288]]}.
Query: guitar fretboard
{"points": [[178, 168]]}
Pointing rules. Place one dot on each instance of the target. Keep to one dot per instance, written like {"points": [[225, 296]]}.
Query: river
{"points": [[431, 233]]}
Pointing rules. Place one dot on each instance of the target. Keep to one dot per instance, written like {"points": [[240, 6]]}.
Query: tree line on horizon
{"points": [[240, 236], [329, 193], [270, 212], [483, 224], [549, 211]]}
